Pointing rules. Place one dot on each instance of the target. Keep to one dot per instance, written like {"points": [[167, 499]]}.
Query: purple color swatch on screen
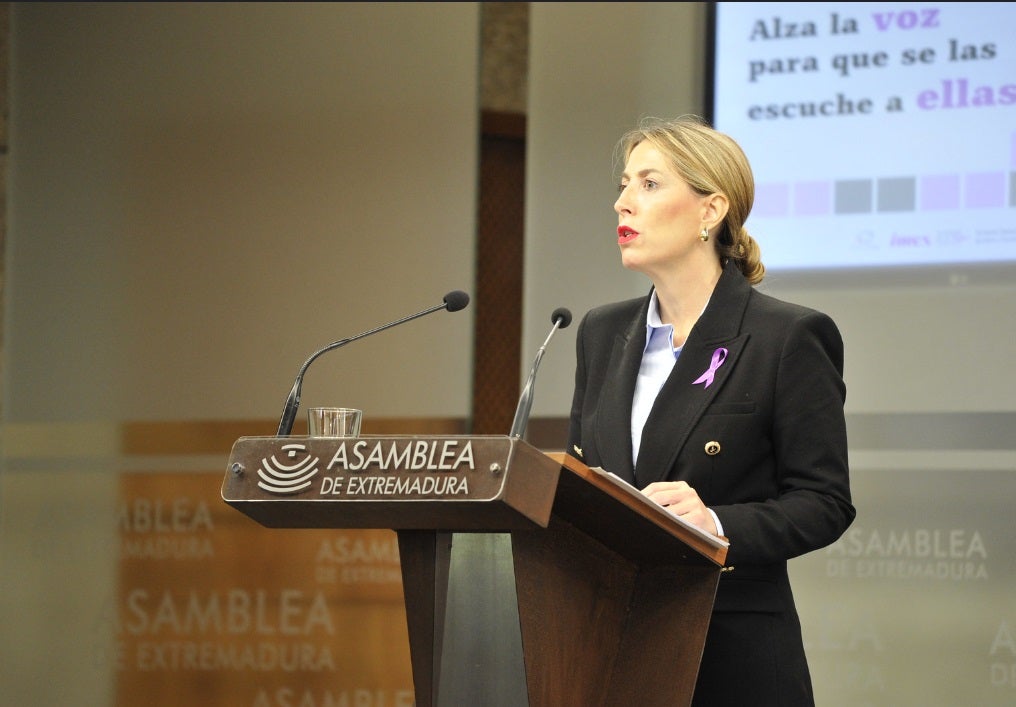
{"points": [[813, 198], [985, 189], [772, 200], [940, 192]]}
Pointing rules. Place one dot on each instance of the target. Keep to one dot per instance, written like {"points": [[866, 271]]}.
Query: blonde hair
{"points": [[711, 163]]}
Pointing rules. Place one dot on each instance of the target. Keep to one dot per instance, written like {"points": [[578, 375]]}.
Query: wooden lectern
{"points": [[583, 592]]}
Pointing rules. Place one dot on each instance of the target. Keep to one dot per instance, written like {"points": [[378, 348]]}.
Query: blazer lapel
{"points": [[613, 428], [707, 360]]}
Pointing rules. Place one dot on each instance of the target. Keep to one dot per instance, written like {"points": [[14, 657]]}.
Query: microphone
{"points": [[561, 317], [453, 302]]}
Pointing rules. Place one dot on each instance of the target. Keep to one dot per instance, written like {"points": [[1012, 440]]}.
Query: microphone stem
{"points": [[343, 342], [521, 420], [293, 401]]}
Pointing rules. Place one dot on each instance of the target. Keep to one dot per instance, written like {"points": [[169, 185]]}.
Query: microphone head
{"points": [[456, 300], [561, 316]]}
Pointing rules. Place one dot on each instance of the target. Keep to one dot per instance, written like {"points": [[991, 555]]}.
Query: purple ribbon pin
{"points": [[719, 356]]}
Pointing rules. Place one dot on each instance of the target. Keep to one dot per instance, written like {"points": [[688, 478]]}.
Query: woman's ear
{"points": [[714, 209]]}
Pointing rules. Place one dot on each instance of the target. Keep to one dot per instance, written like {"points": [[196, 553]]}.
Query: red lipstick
{"points": [[626, 235]]}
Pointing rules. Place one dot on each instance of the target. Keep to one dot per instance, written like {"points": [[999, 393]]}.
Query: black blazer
{"points": [[763, 442]]}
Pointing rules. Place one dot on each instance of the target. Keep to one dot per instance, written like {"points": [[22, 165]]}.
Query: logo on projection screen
{"points": [[290, 476]]}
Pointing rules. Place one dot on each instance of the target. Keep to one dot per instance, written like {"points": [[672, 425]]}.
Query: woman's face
{"points": [[660, 217]]}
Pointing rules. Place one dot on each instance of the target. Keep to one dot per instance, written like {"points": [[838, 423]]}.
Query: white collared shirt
{"points": [[658, 359]]}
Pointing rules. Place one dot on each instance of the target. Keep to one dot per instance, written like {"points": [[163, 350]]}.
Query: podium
{"points": [[529, 578]]}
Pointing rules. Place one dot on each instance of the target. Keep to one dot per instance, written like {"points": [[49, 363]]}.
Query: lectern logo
{"points": [[290, 476]]}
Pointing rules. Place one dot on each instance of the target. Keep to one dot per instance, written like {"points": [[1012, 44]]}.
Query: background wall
{"points": [[202, 194]]}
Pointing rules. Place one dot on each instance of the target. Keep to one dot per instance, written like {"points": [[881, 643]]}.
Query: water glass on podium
{"points": [[333, 422]]}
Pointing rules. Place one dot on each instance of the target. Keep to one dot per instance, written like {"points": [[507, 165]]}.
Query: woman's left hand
{"points": [[682, 500]]}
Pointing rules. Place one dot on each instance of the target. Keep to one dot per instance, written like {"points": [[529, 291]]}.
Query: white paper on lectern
{"points": [[610, 476]]}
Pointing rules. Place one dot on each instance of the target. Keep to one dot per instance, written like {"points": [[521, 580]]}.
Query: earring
{"points": [[704, 234]]}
